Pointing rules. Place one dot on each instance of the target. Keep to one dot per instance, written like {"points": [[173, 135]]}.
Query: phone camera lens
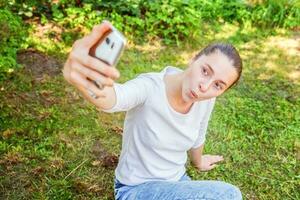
{"points": [[107, 40]]}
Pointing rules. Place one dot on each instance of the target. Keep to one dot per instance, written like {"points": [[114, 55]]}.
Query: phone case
{"points": [[109, 48]]}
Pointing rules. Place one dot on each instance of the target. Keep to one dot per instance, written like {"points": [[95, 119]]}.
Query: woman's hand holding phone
{"points": [[87, 72]]}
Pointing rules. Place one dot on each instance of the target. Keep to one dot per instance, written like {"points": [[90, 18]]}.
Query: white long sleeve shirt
{"points": [[156, 138]]}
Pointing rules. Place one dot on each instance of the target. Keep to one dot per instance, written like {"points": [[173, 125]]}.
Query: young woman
{"points": [[167, 116]]}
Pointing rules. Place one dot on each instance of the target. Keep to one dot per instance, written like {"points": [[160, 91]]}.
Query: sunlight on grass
{"points": [[227, 30], [155, 45], [290, 46]]}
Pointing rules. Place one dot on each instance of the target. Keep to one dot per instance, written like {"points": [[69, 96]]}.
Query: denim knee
{"points": [[233, 192], [217, 190]]}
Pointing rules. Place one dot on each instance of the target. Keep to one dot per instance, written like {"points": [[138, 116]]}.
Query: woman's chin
{"points": [[188, 99]]}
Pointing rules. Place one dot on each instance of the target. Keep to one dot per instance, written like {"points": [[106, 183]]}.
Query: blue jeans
{"points": [[184, 189]]}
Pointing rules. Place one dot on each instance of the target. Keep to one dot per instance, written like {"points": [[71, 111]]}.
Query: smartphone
{"points": [[109, 47]]}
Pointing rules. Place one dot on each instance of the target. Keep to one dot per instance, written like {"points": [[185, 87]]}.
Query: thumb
{"points": [[97, 32], [207, 168]]}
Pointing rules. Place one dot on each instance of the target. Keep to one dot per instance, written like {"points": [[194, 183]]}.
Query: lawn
{"points": [[55, 145]]}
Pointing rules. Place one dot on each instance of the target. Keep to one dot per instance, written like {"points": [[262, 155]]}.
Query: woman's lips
{"points": [[193, 94]]}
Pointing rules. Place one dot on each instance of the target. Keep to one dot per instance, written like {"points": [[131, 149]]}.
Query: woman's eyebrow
{"points": [[223, 82], [210, 68]]}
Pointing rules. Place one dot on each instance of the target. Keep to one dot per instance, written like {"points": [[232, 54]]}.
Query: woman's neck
{"points": [[173, 84]]}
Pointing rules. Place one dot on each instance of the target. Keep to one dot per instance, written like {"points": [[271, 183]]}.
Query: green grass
{"points": [[52, 141]]}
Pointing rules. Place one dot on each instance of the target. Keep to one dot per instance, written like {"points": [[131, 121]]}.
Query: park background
{"points": [[55, 145]]}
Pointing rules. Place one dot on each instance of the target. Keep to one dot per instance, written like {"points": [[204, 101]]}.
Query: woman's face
{"points": [[208, 76]]}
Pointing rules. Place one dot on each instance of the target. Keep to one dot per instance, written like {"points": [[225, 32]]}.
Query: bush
{"points": [[272, 13], [12, 35], [171, 20]]}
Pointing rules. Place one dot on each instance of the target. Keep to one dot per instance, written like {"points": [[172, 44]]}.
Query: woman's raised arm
{"points": [[80, 68]]}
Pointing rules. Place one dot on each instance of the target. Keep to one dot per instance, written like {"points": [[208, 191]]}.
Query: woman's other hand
{"points": [[208, 162]]}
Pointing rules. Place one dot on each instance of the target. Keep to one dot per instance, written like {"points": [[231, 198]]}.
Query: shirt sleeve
{"points": [[204, 124], [131, 94]]}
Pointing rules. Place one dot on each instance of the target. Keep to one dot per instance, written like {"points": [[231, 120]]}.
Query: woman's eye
{"points": [[218, 86], [205, 71]]}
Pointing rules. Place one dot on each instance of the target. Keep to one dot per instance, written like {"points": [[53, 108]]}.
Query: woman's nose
{"points": [[203, 87]]}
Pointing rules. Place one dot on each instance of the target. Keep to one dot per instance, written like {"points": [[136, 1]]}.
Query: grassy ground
{"points": [[54, 145]]}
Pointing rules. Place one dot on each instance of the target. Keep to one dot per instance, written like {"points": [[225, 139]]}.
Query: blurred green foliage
{"points": [[141, 20], [168, 19], [12, 34]]}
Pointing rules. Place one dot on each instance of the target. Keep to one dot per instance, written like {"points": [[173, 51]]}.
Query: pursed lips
{"points": [[193, 94]]}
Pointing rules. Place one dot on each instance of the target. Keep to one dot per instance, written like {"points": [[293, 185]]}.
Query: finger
{"points": [[213, 158], [212, 166], [97, 32], [219, 158], [85, 85], [99, 66], [66, 71], [87, 94], [93, 75]]}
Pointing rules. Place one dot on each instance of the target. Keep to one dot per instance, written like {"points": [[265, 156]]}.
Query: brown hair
{"points": [[228, 50]]}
